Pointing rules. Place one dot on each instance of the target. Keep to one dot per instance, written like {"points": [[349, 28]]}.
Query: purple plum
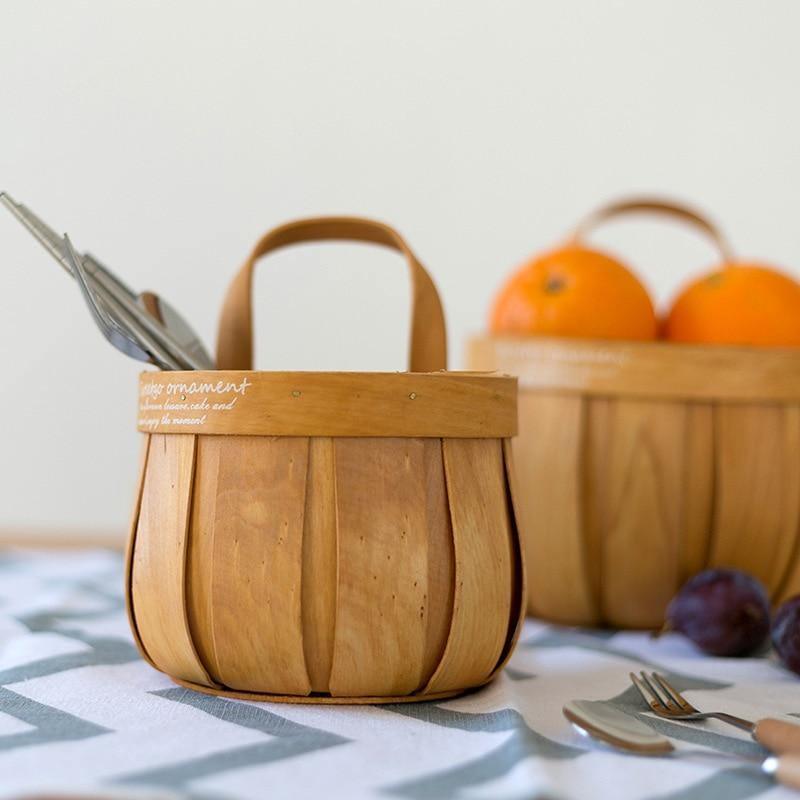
{"points": [[725, 612], [786, 633]]}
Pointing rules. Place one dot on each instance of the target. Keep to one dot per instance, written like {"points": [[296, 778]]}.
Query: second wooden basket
{"points": [[642, 463], [326, 537]]}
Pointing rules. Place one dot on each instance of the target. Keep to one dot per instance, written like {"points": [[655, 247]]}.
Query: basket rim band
{"points": [[653, 370], [360, 404]]}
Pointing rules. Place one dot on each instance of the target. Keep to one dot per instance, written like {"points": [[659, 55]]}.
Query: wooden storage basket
{"points": [[640, 464], [326, 537]]}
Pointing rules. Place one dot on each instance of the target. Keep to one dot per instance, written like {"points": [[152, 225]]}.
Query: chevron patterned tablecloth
{"points": [[82, 715]]}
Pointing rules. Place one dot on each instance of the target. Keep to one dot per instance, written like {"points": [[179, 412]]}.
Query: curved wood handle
{"points": [[654, 205], [787, 771], [778, 736], [428, 348]]}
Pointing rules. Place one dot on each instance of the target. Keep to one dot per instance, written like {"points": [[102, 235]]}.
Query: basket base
{"points": [[318, 699]]}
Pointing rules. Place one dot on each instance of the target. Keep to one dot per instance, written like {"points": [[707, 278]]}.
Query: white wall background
{"points": [[166, 137]]}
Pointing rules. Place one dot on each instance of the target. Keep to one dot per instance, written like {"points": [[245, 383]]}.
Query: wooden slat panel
{"points": [[257, 564], [319, 563], [634, 481], [476, 490], [159, 558], [131, 545], [548, 457], [441, 560], [518, 594], [697, 505], [200, 554], [758, 490], [381, 625], [597, 439]]}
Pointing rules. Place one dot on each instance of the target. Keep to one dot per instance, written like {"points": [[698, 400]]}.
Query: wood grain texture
{"points": [[696, 499], [634, 479], [130, 547], [256, 570], [656, 370], [159, 558], [382, 602], [200, 600], [441, 559], [328, 404], [320, 563], [702, 469], [758, 490], [519, 592], [549, 454], [484, 570]]}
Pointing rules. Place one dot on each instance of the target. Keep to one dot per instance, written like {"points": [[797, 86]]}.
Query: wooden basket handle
{"points": [[428, 347], [654, 205]]}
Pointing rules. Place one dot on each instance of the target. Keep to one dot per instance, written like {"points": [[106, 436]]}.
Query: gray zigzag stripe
{"points": [[103, 651], [52, 724], [520, 745], [524, 743], [729, 784], [292, 739], [518, 674], [595, 643], [507, 719]]}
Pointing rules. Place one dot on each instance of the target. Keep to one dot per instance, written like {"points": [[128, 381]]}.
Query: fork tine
{"points": [[658, 692], [647, 695], [674, 694]]}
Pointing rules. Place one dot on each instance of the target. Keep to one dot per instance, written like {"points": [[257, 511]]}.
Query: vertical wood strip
{"points": [[320, 560], [697, 490], [636, 480], [382, 603], [548, 453], [483, 563], [441, 559], [596, 442], [758, 490], [257, 564], [200, 554], [159, 558], [131, 545], [518, 595]]}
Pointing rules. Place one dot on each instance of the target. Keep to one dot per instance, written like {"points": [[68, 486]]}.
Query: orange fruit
{"points": [[574, 291], [738, 303]]}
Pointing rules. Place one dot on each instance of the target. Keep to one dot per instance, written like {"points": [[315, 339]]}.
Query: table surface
{"points": [[81, 713]]}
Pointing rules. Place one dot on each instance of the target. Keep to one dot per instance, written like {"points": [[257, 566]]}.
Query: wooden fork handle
{"points": [[778, 736], [787, 771]]}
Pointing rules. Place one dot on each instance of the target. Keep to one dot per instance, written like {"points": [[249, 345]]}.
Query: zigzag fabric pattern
{"points": [[81, 713]]}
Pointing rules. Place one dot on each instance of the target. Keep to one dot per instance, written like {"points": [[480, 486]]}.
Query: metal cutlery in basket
{"points": [[143, 326]]}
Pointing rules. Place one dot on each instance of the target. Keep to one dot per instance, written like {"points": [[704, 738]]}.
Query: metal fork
{"points": [[667, 702]]}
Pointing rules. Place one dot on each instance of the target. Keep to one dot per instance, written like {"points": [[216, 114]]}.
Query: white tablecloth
{"points": [[81, 713]]}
